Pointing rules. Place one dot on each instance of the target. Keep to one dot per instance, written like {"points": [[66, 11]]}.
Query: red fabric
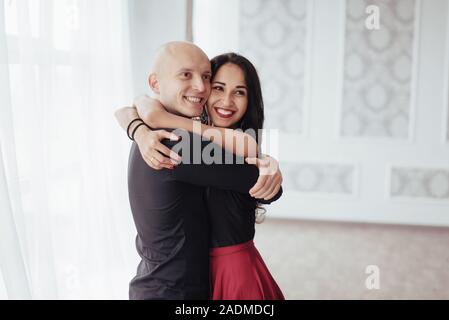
{"points": [[239, 273]]}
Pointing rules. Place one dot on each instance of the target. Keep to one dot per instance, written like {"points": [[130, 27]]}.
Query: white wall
{"points": [[216, 26], [152, 23]]}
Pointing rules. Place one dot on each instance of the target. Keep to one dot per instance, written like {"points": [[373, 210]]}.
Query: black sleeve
{"points": [[204, 163]]}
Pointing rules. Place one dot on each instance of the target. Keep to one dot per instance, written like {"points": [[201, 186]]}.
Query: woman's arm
{"points": [[125, 115], [234, 141]]}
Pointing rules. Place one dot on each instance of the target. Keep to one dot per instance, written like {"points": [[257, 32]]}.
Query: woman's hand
{"points": [[153, 152], [270, 177]]}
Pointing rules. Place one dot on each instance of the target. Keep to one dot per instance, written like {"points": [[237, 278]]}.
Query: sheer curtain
{"points": [[66, 228]]}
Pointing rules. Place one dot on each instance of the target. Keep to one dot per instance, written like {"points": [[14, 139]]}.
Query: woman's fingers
{"points": [[167, 135], [270, 184], [262, 178], [275, 192], [155, 164], [260, 183], [270, 178], [162, 134], [153, 159], [160, 160], [170, 156], [154, 153], [150, 163], [151, 154], [275, 184], [265, 189], [266, 181]]}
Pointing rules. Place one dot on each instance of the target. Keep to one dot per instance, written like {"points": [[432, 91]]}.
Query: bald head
{"points": [[181, 77], [173, 50]]}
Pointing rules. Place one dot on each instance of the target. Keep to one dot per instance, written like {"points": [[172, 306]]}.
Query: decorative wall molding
{"points": [[320, 178], [273, 35], [379, 68], [419, 183]]}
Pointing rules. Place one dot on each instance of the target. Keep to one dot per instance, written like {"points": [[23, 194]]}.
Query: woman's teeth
{"points": [[224, 113]]}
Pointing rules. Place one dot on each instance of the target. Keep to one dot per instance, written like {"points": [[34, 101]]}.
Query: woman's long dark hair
{"points": [[254, 115]]}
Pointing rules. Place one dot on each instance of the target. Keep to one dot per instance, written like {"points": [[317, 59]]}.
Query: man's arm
{"points": [[196, 169], [234, 141]]}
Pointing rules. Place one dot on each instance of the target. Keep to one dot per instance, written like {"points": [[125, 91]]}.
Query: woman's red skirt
{"points": [[239, 273]]}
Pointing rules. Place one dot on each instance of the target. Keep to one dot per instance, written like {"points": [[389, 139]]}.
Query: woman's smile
{"points": [[224, 113]]}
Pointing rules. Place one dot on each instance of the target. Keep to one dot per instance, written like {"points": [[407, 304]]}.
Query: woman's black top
{"points": [[232, 216]]}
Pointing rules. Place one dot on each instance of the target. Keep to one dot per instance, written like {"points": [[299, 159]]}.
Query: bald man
{"points": [[168, 206], [170, 218], [181, 78]]}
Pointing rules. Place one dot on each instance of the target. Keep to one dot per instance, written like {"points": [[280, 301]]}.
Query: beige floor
{"points": [[325, 260]]}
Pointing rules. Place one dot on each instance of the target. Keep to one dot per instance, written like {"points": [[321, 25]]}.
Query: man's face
{"points": [[184, 82]]}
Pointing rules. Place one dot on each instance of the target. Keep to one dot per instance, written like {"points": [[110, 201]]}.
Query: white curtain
{"points": [[66, 229]]}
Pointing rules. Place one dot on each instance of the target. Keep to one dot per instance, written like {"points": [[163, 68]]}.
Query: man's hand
{"points": [[270, 178], [155, 154]]}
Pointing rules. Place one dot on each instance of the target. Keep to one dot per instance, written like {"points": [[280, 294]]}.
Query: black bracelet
{"points": [[135, 129], [129, 126]]}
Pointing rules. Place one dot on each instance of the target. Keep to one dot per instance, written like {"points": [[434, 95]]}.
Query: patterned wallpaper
{"points": [[378, 70], [324, 178], [419, 183], [273, 37]]}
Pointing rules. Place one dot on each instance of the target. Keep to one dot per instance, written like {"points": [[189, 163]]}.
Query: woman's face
{"points": [[228, 100]]}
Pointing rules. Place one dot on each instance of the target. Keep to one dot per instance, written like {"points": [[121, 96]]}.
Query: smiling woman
{"points": [[228, 101]]}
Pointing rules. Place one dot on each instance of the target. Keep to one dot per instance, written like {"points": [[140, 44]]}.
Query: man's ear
{"points": [[154, 83]]}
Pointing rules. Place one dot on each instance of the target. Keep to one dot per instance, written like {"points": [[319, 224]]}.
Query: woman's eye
{"points": [[186, 74], [218, 88], [240, 93]]}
